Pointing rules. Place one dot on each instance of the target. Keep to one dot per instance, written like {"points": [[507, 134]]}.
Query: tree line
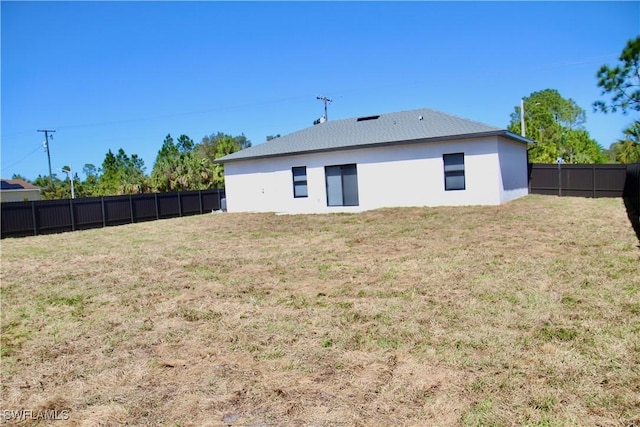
{"points": [[181, 165], [555, 124]]}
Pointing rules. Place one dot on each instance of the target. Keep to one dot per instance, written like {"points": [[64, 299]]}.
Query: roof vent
{"points": [[362, 119]]}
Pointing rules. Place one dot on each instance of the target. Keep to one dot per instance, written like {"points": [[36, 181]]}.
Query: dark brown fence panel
{"points": [[577, 180], [211, 200], [117, 210], [190, 203], [53, 216], [543, 179], [168, 205], [610, 180], [87, 213], [144, 207], [632, 188], [18, 219]]}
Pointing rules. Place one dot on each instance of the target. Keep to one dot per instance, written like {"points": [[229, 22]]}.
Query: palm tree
{"points": [[628, 148]]}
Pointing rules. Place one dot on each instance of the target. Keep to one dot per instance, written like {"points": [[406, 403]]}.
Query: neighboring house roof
{"points": [[16, 184], [422, 125]]}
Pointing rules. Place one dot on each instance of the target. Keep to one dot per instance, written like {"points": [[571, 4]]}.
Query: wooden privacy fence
{"points": [[632, 187], [577, 180], [587, 181], [54, 216]]}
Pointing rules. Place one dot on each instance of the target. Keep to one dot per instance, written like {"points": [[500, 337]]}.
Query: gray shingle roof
{"points": [[392, 128], [16, 184]]}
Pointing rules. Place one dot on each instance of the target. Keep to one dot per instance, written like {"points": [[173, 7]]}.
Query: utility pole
{"points": [[522, 131], [46, 147], [325, 100]]}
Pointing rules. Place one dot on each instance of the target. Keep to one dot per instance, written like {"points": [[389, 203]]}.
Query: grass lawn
{"points": [[522, 314]]}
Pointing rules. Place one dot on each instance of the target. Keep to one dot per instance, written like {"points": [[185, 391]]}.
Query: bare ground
{"points": [[523, 314]]}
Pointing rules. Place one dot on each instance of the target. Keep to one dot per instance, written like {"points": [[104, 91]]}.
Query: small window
{"points": [[453, 171], [299, 181], [342, 185]]}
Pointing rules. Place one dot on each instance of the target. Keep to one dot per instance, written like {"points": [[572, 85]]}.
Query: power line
{"points": [[22, 159], [225, 108]]}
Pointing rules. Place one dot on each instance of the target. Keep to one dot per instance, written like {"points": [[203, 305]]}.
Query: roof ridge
{"points": [[433, 110]]}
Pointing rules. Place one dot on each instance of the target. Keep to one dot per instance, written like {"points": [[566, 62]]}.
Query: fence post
{"points": [[157, 209], [200, 200], [593, 171], [73, 220], [559, 179], [104, 214], [33, 213], [131, 208], [179, 205]]}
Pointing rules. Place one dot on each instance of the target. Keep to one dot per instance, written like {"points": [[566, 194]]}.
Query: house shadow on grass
{"points": [[631, 196], [634, 216]]}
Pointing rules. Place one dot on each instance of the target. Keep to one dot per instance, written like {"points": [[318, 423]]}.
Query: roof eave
{"points": [[516, 137]]}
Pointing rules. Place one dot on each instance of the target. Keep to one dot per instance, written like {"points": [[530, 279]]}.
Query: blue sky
{"points": [[110, 75]]}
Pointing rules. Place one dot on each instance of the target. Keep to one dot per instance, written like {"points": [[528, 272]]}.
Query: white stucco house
{"points": [[17, 190], [411, 158]]}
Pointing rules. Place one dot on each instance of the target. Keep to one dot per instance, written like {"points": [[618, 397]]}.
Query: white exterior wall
{"points": [[19, 195], [400, 175], [513, 170]]}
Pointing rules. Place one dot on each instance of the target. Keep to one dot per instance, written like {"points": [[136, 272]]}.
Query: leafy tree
{"points": [[168, 149], [208, 146], [185, 144], [89, 170], [610, 153], [61, 187], [621, 82], [122, 174], [627, 149], [578, 147], [181, 167], [108, 184], [50, 192], [556, 125], [134, 180], [242, 141], [89, 187], [226, 145], [162, 173], [18, 176], [218, 145]]}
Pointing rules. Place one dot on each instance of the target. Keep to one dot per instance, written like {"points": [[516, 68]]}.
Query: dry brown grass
{"points": [[523, 314]]}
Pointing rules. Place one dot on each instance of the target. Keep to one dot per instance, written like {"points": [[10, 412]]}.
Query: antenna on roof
{"points": [[325, 100]]}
